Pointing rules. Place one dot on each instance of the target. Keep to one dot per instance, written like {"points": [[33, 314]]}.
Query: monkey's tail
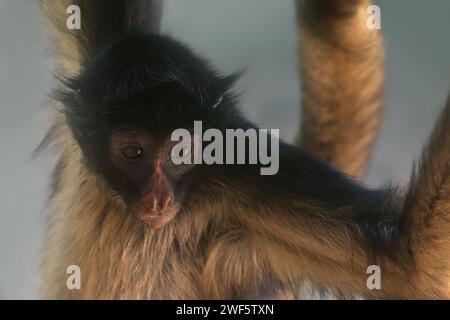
{"points": [[81, 27]]}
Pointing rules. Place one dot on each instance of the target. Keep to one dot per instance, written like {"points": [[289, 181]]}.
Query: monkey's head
{"points": [[122, 111]]}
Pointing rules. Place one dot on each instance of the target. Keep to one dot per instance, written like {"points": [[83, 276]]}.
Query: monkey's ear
{"points": [[227, 83], [223, 87]]}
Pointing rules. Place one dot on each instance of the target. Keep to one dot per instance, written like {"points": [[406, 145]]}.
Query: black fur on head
{"points": [[148, 81]]}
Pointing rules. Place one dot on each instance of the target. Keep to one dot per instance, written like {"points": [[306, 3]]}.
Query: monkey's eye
{"points": [[132, 153]]}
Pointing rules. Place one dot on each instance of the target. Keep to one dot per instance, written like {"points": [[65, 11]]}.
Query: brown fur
{"points": [[342, 82], [237, 235], [427, 211]]}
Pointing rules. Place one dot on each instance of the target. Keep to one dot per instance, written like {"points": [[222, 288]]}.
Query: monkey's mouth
{"points": [[156, 220]]}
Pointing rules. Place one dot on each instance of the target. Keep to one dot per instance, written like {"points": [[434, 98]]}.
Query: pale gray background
{"points": [[255, 34]]}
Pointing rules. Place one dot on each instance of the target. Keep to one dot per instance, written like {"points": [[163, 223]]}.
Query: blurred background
{"points": [[258, 35]]}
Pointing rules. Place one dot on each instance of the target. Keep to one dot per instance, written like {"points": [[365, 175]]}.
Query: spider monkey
{"points": [[141, 228]]}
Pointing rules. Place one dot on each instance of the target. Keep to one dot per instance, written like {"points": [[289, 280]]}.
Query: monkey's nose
{"points": [[156, 205]]}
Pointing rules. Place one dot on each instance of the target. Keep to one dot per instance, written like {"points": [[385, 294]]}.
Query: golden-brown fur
{"points": [[235, 237], [342, 82], [427, 211]]}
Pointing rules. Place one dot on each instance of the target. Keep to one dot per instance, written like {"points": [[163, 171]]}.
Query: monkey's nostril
{"points": [[154, 205], [165, 202]]}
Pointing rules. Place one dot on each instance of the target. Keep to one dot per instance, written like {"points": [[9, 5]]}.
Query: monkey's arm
{"points": [[426, 223], [100, 21], [342, 82]]}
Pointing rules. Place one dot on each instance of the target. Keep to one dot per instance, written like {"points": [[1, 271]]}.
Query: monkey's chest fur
{"points": [[120, 258]]}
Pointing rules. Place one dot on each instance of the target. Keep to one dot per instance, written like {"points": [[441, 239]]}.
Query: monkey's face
{"points": [[123, 109], [142, 170], [132, 151]]}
